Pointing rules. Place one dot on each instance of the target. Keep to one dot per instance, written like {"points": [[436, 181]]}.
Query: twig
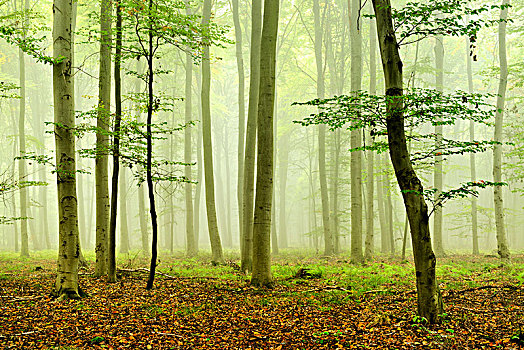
{"points": [[328, 288], [144, 270], [18, 334], [13, 298]]}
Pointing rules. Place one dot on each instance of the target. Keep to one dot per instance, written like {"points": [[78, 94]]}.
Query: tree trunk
{"points": [[264, 187], [356, 137], [502, 242], [251, 137], [102, 140], [472, 163], [283, 167], [188, 187], [116, 149], [428, 295], [124, 227], [214, 237], [200, 163], [384, 241], [229, 235], [437, 173], [370, 210], [324, 196], [22, 170], [66, 285], [241, 119], [149, 151]]}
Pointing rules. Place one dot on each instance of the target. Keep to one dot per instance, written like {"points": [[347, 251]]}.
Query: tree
{"points": [[241, 118], [502, 243], [66, 285], [328, 238], [102, 141], [191, 248], [116, 148], [437, 170], [356, 138], [214, 237], [251, 137], [264, 187]]}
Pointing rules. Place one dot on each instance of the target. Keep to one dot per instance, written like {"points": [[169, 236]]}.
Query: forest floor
{"points": [[332, 304]]}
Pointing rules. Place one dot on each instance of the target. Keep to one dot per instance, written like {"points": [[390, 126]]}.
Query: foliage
{"points": [[418, 20], [6, 90]]}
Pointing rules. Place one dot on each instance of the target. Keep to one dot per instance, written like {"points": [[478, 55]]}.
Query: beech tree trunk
{"points": [[324, 195], [66, 285], [502, 241], [437, 172], [264, 187], [102, 140], [191, 249], [429, 302], [472, 162], [22, 170], [241, 119], [251, 137], [370, 210], [214, 237], [124, 227], [356, 137], [116, 149]]}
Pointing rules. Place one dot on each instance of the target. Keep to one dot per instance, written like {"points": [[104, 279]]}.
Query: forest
{"points": [[265, 174]]}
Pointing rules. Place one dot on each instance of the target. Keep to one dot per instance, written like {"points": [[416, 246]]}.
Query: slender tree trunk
{"points": [[428, 295], [324, 196], [472, 163], [356, 137], [66, 285], [241, 119], [102, 140], [264, 187], [274, 235], [370, 210], [251, 137], [191, 249], [116, 149], [124, 227], [22, 170], [149, 152], [502, 241], [229, 233], [214, 237], [384, 240], [200, 164], [437, 173], [283, 167]]}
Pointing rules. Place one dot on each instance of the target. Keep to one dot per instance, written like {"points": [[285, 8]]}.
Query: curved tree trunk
{"points": [[429, 302], [502, 241]]}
